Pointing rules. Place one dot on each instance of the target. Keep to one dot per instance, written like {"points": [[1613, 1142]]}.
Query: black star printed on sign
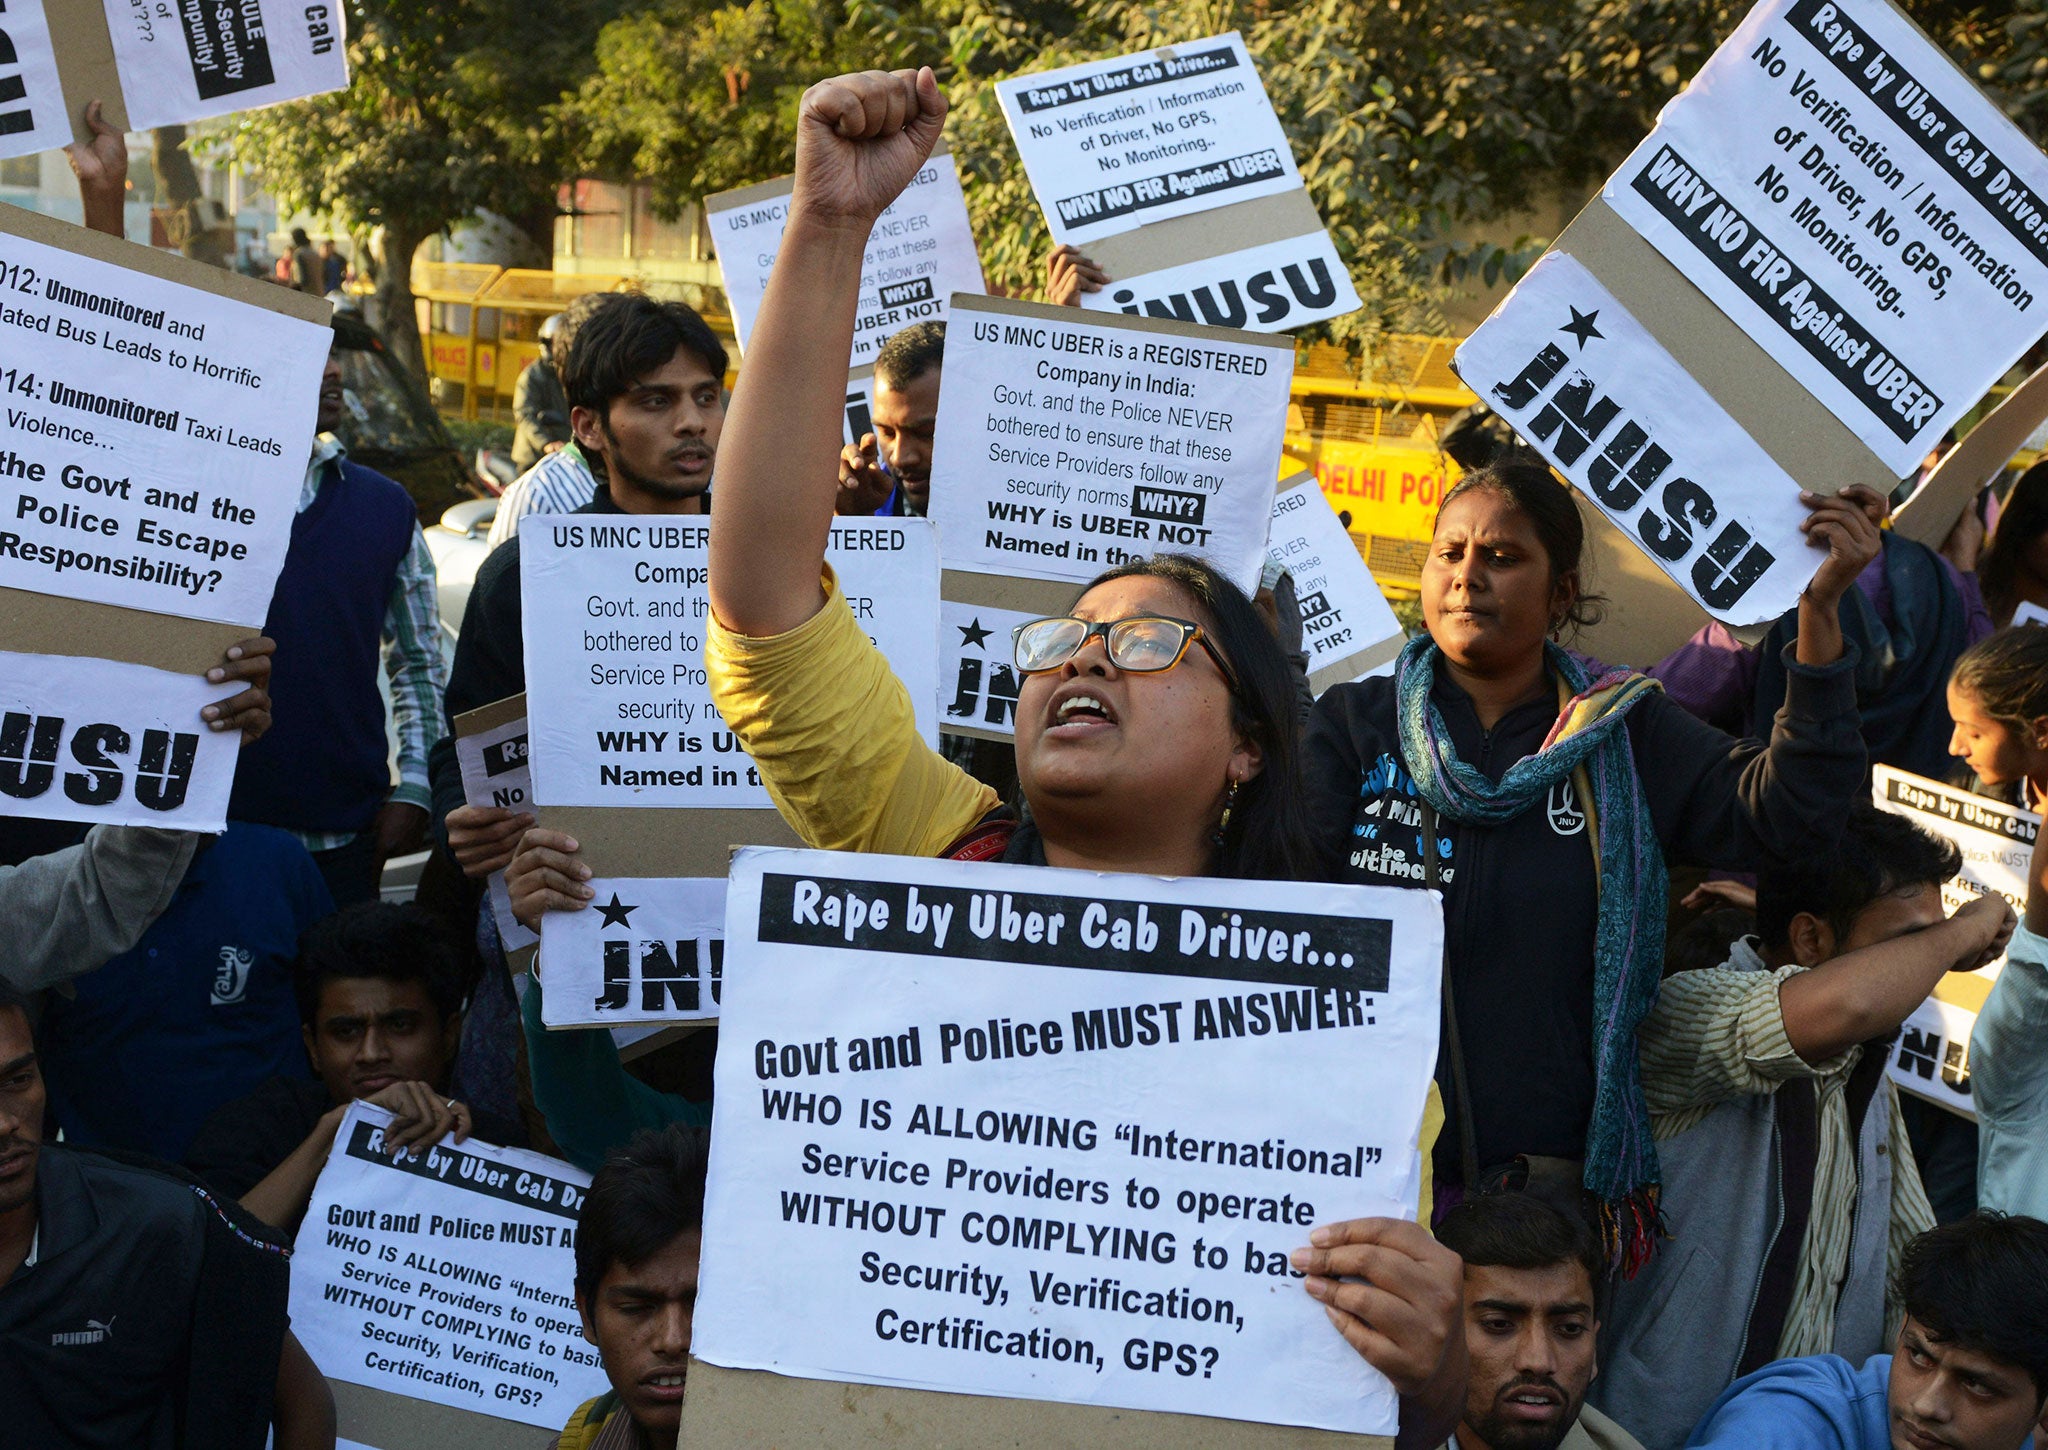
{"points": [[1581, 326], [971, 633], [614, 912]]}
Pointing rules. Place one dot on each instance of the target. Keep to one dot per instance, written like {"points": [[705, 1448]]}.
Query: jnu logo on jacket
{"points": [[93, 762]]}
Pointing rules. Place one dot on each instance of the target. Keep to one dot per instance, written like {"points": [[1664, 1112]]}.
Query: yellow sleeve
{"points": [[1432, 1126], [831, 730]]}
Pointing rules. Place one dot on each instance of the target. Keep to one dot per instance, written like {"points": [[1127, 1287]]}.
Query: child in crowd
{"points": [[1998, 697]]}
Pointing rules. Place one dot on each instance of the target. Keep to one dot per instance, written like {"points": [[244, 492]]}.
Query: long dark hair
{"points": [[1268, 837], [2023, 520], [2007, 675]]}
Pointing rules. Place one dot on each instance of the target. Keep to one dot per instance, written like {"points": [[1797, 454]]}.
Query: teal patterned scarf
{"points": [[1628, 947]]}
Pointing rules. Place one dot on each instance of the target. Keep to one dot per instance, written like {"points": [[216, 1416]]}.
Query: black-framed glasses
{"points": [[1142, 644]]}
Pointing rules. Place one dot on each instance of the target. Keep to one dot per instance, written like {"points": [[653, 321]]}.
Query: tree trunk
{"points": [[189, 220], [397, 318]]}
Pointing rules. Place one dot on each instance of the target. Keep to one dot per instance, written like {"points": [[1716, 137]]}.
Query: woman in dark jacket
{"points": [[1552, 793]]}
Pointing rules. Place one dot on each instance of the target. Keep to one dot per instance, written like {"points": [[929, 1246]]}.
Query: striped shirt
{"points": [[1719, 1034], [412, 657], [560, 483]]}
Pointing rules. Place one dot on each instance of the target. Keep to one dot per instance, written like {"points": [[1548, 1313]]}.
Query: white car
{"points": [[459, 541]]}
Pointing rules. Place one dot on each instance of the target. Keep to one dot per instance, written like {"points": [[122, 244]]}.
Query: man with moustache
{"points": [[1532, 1315]]}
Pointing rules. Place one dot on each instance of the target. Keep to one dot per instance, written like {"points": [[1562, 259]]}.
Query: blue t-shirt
{"points": [[196, 1013], [1821, 1402]]}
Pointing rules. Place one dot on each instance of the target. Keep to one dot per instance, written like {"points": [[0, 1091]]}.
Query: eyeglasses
{"points": [[1142, 644]]}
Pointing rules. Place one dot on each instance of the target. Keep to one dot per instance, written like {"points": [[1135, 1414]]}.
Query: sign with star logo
{"points": [[978, 680], [648, 949], [1588, 387]]}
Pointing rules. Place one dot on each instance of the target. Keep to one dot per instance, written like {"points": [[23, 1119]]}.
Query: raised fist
{"points": [[859, 141]]}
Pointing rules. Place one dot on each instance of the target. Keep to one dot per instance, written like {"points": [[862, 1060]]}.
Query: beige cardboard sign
{"points": [[1974, 462]]}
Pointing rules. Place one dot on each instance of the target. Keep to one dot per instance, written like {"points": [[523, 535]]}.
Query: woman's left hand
{"points": [[1846, 525]]}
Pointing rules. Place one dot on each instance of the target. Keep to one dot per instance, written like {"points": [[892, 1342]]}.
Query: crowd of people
{"points": [[1675, 1198]]}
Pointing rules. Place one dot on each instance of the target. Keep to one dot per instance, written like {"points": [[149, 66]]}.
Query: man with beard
{"points": [[1532, 1316], [645, 381]]}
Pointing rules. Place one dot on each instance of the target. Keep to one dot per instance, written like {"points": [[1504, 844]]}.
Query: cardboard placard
{"points": [[1978, 458], [1931, 1058], [1249, 251], [491, 751], [163, 62], [1564, 363], [1015, 1130], [1347, 628], [1833, 183]]}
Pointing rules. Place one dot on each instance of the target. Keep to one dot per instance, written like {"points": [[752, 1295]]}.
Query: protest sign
{"points": [[1029, 1133], [490, 751], [646, 949], [1347, 629], [1588, 386], [1976, 460], [2030, 613], [978, 677], [156, 432], [919, 254], [112, 744], [1172, 169], [1110, 145], [1070, 442], [1849, 198], [619, 708], [1932, 1056], [33, 116], [445, 1276]]}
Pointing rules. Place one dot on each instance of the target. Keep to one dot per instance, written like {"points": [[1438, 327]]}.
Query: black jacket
{"points": [[1521, 899]]}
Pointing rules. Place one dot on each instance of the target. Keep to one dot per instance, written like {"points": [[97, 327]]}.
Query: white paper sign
{"points": [[156, 437], [644, 950], [1347, 626], [1113, 144], [619, 709], [182, 60], [2029, 613], [920, 253], [1066, 446], [978, 679], [1045, 1134], [446, 1276], [112, 744], [1833, 183], [1584, 383], [33, 115], [1932, 1056], [496, 773], [1274, 287]]}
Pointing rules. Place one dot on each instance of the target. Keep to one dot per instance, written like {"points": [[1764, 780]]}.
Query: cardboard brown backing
{"points": [[85, 62], [1977, 459]]}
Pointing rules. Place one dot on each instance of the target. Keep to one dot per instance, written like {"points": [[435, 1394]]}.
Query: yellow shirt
{"points": [[830, 728]]}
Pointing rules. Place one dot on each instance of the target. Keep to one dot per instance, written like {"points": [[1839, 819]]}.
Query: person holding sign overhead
{"points": [[1155, 729], [1498, 769]]}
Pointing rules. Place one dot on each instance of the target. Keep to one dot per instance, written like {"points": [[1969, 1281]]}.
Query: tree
{"points": [[445, 112]]}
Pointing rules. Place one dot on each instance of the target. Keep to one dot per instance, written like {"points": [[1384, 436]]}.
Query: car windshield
{"points": [[381, 414]]}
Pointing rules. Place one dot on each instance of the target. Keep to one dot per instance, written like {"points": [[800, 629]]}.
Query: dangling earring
{"points": [[1229, 804]]}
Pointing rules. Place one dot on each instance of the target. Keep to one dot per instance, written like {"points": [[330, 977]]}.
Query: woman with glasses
{"points": [[1156, 725]]}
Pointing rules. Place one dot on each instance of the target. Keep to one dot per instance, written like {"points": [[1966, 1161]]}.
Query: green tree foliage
{"points": [[446, 111]]}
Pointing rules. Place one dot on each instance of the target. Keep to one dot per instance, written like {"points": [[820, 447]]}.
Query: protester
{"points": [[2009, 1062], [637, 1243], [1790, 1190], [2013, 568], [1969, 1371], [1471, 769], [889, 471], [1998, 697], [379, 996], [136, 1309], [333, 270], [1167, 749], [357, 583], [1532, 1321], [670, 425], [540, 409], [200, 1005]]}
